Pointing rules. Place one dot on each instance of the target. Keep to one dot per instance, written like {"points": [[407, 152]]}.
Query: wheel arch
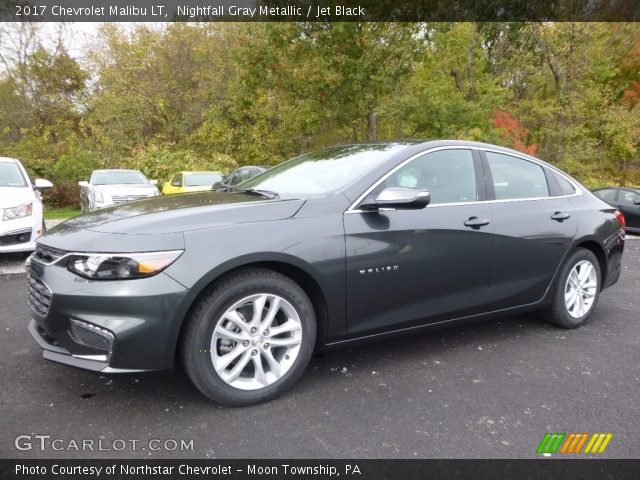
{"points": [[295, 269], [588, 243], [598, 250]]}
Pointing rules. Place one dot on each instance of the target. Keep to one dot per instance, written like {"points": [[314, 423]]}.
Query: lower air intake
{"points": [[91, 335]]}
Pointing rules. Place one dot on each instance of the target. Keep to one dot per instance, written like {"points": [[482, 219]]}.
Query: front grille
{"points": [[91, 335], [16, 237], [126, 198], [48, 254], [39, 296]]}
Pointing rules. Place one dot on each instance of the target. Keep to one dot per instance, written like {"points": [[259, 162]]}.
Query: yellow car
{"points": [[183, 182]]}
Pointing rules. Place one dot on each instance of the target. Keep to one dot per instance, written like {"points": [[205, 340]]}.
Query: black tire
{"points": [[557, 312], [198, 331]]}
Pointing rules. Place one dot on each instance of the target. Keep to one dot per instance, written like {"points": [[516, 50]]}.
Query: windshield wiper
{"points": [[262, 193]]}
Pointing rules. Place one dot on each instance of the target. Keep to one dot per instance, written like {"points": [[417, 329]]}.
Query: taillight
{"points": [[620, 218]]}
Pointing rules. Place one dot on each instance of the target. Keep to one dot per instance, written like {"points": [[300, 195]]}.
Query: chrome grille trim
{"points": [[47, 255], [127, 198], [39, 296]]}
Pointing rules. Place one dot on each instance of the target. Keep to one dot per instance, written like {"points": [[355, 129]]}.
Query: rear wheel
{"points": [[249, 338], [577, 291]]}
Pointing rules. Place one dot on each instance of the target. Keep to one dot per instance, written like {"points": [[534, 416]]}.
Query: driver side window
{"points": [[234, 179], [448, 175]]}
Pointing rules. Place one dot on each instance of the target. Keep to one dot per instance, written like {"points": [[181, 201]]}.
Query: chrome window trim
{"points": [[578, 191]]}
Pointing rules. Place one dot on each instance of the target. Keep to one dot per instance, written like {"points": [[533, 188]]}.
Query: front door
{"points": [[406, 268]]}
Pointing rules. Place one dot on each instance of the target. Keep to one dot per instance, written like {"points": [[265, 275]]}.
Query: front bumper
{"points": [[18, 235], [142, 318], [54, 352]]}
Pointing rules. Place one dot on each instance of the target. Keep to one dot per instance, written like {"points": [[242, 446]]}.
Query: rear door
{"points": [[410, 267], [534, 225]]}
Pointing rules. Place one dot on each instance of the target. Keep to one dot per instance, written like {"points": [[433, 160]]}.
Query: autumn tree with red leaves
{"points": [[511, 132]]}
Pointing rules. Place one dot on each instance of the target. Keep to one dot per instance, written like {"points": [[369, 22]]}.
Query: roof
{"points": [[259, 167], [9, 160]]}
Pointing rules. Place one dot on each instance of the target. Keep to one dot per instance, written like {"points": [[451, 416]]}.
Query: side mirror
{"points": [[216, 186], [83, 183], [400, 198], [42, 184], [153, 182], [637, 202]]}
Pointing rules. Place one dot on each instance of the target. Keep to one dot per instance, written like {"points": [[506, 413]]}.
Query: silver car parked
{"points": [[111, 187]]}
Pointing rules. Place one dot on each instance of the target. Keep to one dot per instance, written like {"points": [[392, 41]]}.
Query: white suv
{"points": [[21, 220]]}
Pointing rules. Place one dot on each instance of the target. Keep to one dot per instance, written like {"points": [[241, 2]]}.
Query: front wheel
{"points": [[576, 292], [249, 338]]}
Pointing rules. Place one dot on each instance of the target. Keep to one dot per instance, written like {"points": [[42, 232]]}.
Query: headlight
{"points": [[20, 211], [98, 197], [117, 266]]}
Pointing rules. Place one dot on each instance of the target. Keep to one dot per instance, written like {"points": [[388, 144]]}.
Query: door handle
{"points": [[560, 216], [475, 222]]}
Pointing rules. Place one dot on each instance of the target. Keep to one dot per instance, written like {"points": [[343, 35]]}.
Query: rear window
{"points": [[201, 179], [11, 175], [516, 178], [565, 185]]}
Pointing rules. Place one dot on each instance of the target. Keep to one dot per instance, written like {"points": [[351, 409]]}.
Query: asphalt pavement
{"points": [[489, 390]]}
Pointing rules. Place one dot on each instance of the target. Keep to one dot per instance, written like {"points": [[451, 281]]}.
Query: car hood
{"points": [[164, 218], [14, 196]]}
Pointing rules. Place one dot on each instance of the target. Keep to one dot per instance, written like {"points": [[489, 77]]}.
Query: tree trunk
{"points": [[372, 126], [470, 76]]}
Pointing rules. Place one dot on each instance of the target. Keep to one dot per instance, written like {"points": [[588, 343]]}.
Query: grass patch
{"points": [[60, 213]]}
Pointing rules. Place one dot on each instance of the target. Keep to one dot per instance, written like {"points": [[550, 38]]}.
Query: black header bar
{"points": [[319, 10], [543, 469]]}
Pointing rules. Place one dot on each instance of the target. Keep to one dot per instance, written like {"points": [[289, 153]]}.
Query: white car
{"points": [[111, 187], [21, 220]]}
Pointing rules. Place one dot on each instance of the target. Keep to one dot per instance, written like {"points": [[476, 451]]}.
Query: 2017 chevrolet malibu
{"points": [[347, 244]]}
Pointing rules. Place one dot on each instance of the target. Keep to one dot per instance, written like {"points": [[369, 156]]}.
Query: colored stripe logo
{"points": [[561, 442]]}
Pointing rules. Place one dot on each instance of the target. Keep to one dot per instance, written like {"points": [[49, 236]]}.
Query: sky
{"points": [[77, 36]]}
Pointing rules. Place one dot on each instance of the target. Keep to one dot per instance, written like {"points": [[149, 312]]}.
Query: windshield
{"points": [[119, 178], [201, 179], [11, 175], [323, 171]]}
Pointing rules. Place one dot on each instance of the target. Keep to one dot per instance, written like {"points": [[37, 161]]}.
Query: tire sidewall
{"points": [[206, 378], [562, 313]]}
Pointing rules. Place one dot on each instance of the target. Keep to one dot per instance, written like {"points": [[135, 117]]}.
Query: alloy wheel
{"points": [[580, 289], [256, 341]]}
